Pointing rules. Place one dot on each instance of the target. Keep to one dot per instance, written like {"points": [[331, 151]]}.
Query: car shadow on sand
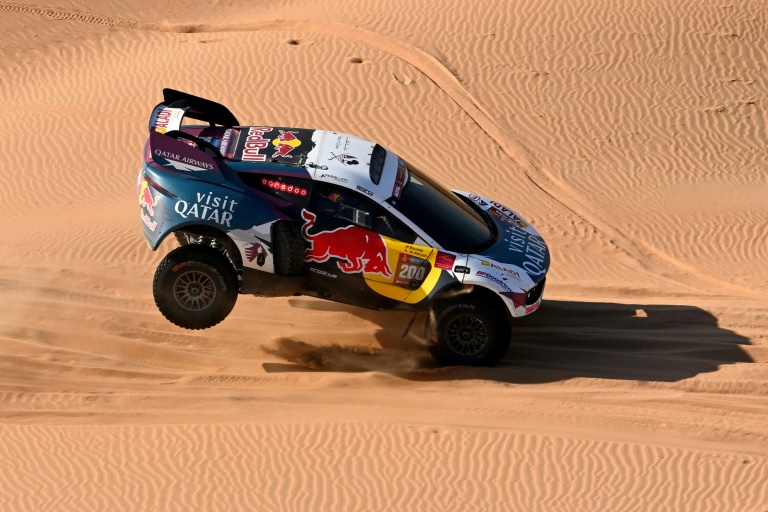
{"points": [[563, 340]]}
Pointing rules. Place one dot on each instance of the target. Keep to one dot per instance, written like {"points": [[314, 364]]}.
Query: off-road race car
{"points": [[276, 211]]}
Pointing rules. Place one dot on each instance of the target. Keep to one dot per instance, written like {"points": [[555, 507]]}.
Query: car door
{"points": [[359, 252]]}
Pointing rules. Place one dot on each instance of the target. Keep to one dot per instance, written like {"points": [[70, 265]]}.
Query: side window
{"points": [[294, 190], [352, 207]]}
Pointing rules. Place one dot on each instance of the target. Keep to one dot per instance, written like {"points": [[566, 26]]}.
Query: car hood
{"points": [[518, 246]]}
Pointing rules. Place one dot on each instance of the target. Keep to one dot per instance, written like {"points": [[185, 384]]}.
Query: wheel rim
{"points": [[466, 335], [194, 290]]}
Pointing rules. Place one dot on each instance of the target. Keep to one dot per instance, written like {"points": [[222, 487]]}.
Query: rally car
{"points": [[276, 211]]}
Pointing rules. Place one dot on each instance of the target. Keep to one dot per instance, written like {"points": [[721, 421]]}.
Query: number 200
{"points": [[412, 272]]}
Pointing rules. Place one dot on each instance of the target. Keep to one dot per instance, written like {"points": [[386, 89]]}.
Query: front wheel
{"points": [[195, 287], [467, 332]]}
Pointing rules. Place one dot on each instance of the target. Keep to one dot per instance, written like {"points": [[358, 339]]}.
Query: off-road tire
{"points": [[289, 248], [467, 331], [195, 287]]}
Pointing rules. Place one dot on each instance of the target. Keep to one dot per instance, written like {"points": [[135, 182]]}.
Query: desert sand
{"points": [[632, 135]]}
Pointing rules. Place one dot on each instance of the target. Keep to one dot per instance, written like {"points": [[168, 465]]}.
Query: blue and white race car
{"points": [[277, 211]]}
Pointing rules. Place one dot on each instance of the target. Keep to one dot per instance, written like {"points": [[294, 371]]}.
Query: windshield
{"points": [[441, 214]]}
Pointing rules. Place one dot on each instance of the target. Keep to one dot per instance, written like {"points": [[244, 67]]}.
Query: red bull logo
{"points": [[145, 198], [285, 143], [254, 143], [358, 249]]}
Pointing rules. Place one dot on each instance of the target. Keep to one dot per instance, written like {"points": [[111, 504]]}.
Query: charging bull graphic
{"points": [[285, 143], [145, 198], [360, 250]]}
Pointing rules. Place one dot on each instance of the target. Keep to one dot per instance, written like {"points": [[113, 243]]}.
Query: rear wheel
{"points": [[289, 248], [467, 331], [195, 287]]}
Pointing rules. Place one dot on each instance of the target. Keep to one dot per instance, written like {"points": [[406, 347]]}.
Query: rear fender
{"points": [[212, 237]]}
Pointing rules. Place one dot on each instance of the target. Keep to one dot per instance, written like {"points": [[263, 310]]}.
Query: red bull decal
{"points": [[148, 203], [254, 143], [358, 250], [146, 200], [285, 143]]}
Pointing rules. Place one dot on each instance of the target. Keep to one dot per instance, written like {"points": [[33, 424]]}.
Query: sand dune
{"points": [[632, 136]]}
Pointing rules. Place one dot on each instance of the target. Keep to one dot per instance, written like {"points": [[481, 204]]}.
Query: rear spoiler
{"points": [[168, 151], [187, 105]]}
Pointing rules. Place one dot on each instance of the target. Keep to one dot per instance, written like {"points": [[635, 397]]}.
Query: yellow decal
{"points": [[414, 276]]}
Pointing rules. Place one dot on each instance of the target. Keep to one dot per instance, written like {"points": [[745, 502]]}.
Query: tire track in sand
{"points": [[64, 13], [650, 259]]}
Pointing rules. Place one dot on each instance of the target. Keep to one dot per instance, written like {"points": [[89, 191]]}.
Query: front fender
{"points": [[509, 282]]}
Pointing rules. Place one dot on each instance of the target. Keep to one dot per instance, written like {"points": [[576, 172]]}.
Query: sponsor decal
{"points": [[504, 214], [285, 143], [256, 251], [146, 200], [254, 244], [207, 207], [224, 144], [322, 272], [364, 190], [342, 143], [357, 249], [445, 260], [263, 143], [183, 163], [506, 270], [345, 159], [460, 269], [148, 203], [411, 271], [531, 247], [168, 119], [334, 178], [284, 187], [152, 225], [477, 199], [494, 279], [254, 143], [399, 179], [161, 124], [533, 307]]}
